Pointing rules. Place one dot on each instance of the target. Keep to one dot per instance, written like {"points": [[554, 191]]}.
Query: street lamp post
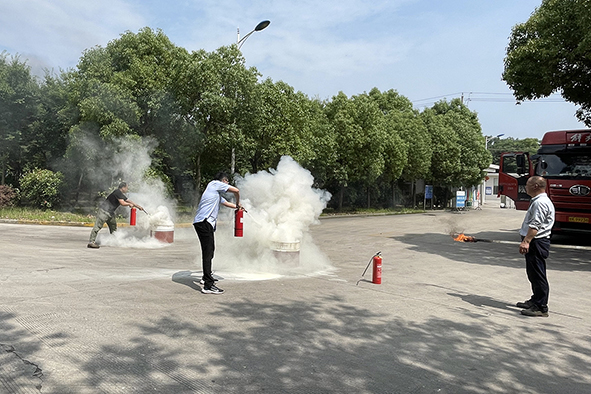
{"points": [[487, 138], [261, 26]]}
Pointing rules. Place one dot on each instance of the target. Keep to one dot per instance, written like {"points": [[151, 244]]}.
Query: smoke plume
{"points": [[281, 207], [129, 160]]}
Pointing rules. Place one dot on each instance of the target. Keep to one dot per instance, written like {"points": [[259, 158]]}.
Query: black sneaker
{"points": [[525, 305], [534, 311], [212, 290], [202, 282]]}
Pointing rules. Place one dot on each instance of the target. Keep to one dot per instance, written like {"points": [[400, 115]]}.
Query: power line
{"points": [[494, 97], [438, 97]]}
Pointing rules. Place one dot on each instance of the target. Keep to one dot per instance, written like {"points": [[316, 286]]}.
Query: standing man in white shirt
{"points": [[535, 245], [205, 224]]}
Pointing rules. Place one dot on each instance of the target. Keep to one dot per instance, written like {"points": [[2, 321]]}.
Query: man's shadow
{"points": [[185, 278], [191, 278]]}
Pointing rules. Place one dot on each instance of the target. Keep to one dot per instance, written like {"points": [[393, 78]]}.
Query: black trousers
{"points": [[204, 231], [535, 267]]}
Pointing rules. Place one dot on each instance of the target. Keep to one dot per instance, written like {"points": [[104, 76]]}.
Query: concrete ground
{"points": [[129, 320]]}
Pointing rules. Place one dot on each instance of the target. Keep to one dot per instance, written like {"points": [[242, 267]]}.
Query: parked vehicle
{"points": [[564, 159]]}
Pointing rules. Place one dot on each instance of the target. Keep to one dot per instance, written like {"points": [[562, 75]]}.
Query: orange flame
{"points": [[464, 238]]}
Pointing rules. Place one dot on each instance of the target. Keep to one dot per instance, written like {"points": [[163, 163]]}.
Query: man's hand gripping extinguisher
{"points": [[377, 269]]}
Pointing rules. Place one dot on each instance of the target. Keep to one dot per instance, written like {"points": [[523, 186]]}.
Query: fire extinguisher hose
{"points": [[368, 264]]}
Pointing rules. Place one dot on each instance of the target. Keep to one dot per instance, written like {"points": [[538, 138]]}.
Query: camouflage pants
{"points": [[103, 217]]}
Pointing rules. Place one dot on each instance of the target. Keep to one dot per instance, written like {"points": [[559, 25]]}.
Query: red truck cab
{"points": [[564, 159]]}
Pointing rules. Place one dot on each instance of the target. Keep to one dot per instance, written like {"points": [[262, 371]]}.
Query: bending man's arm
{"points": [[236, 193], [130, 203]]}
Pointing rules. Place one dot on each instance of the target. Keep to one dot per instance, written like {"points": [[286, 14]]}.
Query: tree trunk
{"points": [[78, 188], [341, 197], [2, 176], [198, 173], [368, 197], [393, 194]]}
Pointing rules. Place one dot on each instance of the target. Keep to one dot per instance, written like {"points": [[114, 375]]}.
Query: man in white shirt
{"points": [[535, 245], [205, 224]]}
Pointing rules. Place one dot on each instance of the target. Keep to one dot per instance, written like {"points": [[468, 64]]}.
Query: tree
{"points": [[121, 90], [474, 157], [416, 143], [281, 123], [323, 144], [550, 53], [510, 144], [19, 108], [215, 94], [361, 137], [47, 140], [445, 160]]}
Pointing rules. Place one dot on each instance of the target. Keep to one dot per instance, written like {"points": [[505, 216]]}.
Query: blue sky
{"points": [[427, 50]]}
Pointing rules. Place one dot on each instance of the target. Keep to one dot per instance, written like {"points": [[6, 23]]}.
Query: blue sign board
{"points": [[428, 192], [460, 199], [488, 191]]}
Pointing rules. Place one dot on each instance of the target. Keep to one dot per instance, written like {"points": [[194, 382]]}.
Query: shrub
{"points": [[8, 196], [41, 188]]}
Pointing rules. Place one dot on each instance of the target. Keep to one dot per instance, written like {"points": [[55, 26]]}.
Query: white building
{"points": [[489, 189]]}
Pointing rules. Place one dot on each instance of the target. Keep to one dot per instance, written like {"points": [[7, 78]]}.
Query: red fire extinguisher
{"points": [[377, 269], [239, 223], [132, 217]]}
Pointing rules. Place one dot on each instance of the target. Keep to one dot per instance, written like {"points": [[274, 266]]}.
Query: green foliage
{"points": [[216, 96], [201, 112], [19, 106], [121, 87], [47, 215], [41, 188], [497, 146], [361, 136], [156, 178], [8, 196], [550, 53], [47, 139], [459, 155], [281, 123], [445, 160]]}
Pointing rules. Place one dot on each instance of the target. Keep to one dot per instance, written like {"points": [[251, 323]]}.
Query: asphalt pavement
{"points": [[133, 320]]}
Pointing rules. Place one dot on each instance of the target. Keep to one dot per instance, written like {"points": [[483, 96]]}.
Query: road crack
{"points": [[38, 371]]}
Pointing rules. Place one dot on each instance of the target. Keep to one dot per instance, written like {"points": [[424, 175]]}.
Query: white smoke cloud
{"points": [[135, 238], [281, 207], [128, 159]]}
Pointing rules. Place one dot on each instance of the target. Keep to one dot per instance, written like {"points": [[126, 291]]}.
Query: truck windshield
{"points": [[564, 165]]}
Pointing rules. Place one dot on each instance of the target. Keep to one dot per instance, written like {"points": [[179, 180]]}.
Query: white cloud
{"points": [[57, 32], [422, 48]]}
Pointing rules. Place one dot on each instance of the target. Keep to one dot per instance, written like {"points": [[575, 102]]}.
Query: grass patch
{"points": [[183, 214], [32, 214]]}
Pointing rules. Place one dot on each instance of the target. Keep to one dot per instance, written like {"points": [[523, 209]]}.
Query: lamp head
{"points": [[262, 25]]}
